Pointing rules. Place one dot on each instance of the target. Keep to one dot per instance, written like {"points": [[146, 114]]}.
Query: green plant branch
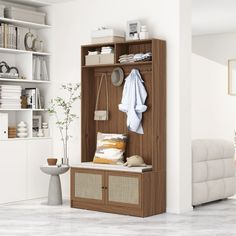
{"points": [[65, 104]]}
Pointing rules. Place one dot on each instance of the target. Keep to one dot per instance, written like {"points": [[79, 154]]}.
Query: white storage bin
{"points": [[92, 60], [100, 33], [107, 36], [25, 15], [107, 58], [112, 39], [2, 10]]}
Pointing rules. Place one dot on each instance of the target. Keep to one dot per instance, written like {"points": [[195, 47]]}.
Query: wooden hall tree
{"points": [[123, 190]]}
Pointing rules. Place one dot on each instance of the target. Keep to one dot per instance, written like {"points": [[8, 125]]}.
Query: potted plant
{"points": [[61, 108]]}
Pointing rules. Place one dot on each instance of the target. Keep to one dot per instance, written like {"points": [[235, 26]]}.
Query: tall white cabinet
{"points": [[20, 158]]}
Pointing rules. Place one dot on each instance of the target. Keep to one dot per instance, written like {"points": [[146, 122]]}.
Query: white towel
{"points": [[133, 99]]}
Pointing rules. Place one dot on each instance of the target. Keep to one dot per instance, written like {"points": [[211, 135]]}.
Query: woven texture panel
{"points": [[88, 186], [123, 189]]}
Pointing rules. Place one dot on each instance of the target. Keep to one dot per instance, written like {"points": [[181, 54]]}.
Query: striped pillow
{"points": [[110, 148]]}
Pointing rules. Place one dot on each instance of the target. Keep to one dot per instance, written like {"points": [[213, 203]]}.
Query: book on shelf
{"points": [[10, 97], [33, 98], [40, 71], [9, 36]]}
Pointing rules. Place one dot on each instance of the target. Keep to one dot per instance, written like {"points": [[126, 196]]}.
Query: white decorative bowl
{"points": [[22, 135], [22, 124], [22, 130]]}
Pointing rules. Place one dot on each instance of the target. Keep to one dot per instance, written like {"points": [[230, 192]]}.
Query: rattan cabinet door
{"points": [[123, 189], [89, 185]]}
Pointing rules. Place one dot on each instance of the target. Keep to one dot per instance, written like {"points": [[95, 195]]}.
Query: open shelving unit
{"points": [[21, 177], [23, 60]]}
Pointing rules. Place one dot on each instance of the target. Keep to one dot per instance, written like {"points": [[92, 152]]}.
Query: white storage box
{"points": [[2, 10], [25, 15], [107, 58], [92, 60], [107, 36], [113, 39], [107, 33]]}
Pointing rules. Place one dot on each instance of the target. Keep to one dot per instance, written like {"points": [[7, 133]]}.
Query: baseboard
{"points": [[178, 211]]}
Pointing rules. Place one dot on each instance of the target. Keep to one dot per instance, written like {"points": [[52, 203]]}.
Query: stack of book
{"points": [[9, 36], [10, 97], [40, 71], [33, 98]]}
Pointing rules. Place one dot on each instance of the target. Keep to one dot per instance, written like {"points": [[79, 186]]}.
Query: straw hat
{"points": [[117, 76]]}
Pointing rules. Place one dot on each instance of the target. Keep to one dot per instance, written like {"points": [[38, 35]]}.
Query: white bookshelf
{"points": [[23, 156], [23, 60]]}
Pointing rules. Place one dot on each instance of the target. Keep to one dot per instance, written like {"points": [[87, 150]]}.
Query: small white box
{"points": [[107, 58], [100, 33], [111, 39], [2, 10], [92, 60], [25, 15], [3, 126]]}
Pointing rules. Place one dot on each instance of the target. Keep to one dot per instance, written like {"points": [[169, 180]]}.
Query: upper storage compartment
{"points": [[117, 53], [134, 48]]}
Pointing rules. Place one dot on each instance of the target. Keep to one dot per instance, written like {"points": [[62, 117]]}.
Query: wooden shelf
{"points": [[18, 51], [24, 23], [94, 45], [120, 64], [24, 81]]}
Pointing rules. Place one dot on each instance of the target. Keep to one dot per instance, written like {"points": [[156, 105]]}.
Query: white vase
{"points": [[46, 132], [40, 133], [22, 131]]}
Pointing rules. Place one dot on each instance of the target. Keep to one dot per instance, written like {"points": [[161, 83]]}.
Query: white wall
{"points": [[216, 47], [73, 23], [213, 110]]}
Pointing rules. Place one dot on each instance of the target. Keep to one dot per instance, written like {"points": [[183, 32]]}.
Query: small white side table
{"points": [[54, 190]]}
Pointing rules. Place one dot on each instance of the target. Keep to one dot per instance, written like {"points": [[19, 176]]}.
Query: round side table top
{"points": [[54, 170]]}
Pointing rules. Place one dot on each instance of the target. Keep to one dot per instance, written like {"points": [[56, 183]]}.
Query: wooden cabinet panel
{"points": [[109, 191], [88, 185], [123, 189]]}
